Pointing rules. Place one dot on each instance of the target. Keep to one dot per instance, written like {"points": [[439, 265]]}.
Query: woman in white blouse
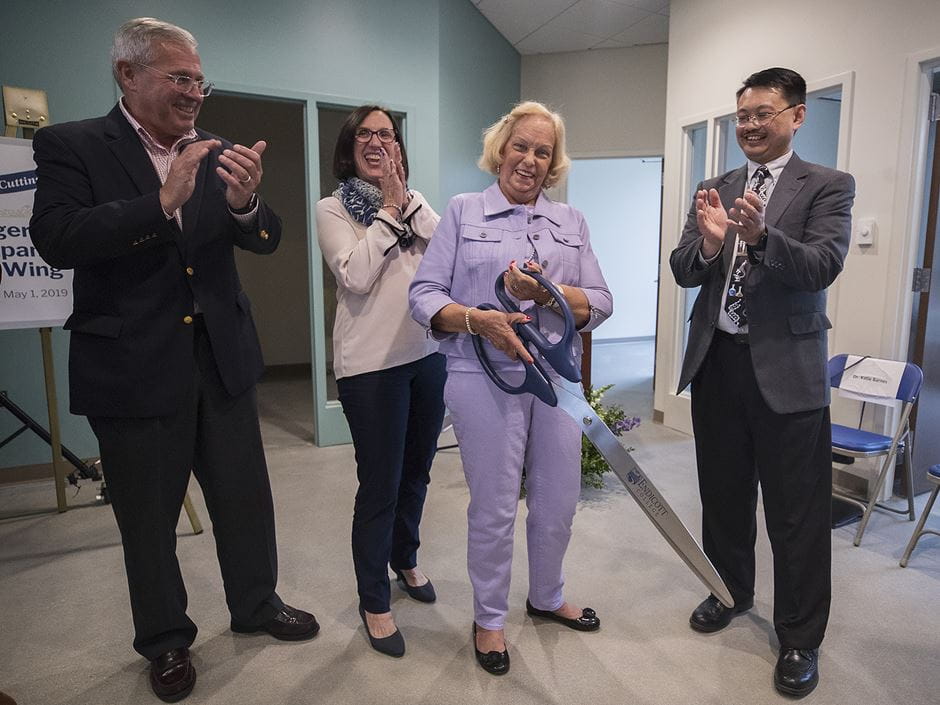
{"points": [[373, 232]]}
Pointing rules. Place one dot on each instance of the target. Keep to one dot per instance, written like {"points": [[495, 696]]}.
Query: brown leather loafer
{"points": [[587, 622], [172, 675], [712, 616], [289, 624]]}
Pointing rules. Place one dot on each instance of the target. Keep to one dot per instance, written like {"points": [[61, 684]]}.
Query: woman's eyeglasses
{"points": [[364, 134]]}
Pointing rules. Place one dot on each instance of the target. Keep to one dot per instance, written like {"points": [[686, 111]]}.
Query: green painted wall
{"points": [[439, 59], [479, 82]]}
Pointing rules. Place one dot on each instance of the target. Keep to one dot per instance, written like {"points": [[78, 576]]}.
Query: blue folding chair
{"points": [[859, 443], [933, 474]]}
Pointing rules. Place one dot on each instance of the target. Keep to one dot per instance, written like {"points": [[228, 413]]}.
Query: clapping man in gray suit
{"points": [[764, 241]]}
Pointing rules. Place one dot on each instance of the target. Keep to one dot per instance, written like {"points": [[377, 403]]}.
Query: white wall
{"points": [[881, 43], [613, 100]]}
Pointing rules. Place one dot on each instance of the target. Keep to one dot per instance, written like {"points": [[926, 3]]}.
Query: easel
{"points": [[27, 109]]}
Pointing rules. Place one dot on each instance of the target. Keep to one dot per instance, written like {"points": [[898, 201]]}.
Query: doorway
{"points": [[623, 349], [331, 423], [278, 285]]}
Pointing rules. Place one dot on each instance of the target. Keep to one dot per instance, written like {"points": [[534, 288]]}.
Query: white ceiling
{"points": [[549, 26]]}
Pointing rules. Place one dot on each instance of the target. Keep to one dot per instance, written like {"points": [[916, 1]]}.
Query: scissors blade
{"points": [[571, 400]]}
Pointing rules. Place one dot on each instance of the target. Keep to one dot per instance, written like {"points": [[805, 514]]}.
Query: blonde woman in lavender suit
{"points": [[511, 223], [373, 232]]}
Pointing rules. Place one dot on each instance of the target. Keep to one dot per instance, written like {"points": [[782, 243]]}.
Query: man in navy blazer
{"points": [[164, 355], [764, 242]]}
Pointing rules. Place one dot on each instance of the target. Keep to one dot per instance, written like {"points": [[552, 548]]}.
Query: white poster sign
{"points": [[32, 294]]}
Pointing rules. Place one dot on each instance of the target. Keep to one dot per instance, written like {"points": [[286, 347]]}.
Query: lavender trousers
{"points": [[497, 434]]}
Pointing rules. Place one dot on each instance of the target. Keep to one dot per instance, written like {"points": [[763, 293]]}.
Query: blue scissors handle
{"points": [[558, 355], [536, 379]]}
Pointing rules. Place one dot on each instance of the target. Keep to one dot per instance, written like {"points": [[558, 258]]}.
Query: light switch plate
{"points": [[865, 231]]}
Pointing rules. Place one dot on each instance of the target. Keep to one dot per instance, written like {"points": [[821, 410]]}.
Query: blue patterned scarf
{"points": [[363, 201], [360, 198]]}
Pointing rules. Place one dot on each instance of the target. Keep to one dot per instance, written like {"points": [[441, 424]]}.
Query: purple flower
{"points": [[625, 424]]}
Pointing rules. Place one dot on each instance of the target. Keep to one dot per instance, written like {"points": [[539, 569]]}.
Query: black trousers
{"points": [[147, 464], [395, 418], [739, 442]]}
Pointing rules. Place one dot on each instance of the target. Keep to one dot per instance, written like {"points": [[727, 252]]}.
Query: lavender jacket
{"points": [[478, 236]]}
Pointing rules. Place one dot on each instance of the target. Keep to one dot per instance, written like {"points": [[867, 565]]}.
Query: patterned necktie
{"points": [[734, 301]]}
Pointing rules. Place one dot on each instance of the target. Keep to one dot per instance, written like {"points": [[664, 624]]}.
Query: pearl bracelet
{"points": [[466, 320]]}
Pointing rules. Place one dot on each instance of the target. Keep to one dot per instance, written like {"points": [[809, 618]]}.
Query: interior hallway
{"points": [[65, 627]]}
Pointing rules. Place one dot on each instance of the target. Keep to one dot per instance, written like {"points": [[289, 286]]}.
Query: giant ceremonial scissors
{"points": [[568, 395]]}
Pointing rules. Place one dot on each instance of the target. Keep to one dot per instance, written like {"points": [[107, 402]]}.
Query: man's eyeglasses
{"points": [[364, 134], [184, 84], [760, 119]]}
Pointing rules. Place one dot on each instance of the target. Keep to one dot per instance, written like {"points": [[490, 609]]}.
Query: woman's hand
{"points": [[393, 182], [401, 175], [524, 287], [496, 327]]}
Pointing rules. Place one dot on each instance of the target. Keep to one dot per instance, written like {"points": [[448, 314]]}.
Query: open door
{"points": [[925, 330]]}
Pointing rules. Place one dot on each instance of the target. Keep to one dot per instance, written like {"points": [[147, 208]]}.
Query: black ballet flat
{"points": [[422, 593], [495, 662], [587, 622], [392, 645]]}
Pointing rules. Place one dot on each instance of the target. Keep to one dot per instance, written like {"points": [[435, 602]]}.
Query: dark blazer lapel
{"points": [[791, 181], [731, 189], [129, 151]]}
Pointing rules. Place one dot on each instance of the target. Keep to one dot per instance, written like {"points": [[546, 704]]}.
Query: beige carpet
{"points": [[65, 632]]}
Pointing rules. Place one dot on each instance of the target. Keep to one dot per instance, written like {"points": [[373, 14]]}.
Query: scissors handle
{"points": [[536, 379], [559, 354]]}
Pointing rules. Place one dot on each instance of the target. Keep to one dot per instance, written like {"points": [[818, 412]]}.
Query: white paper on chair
{"points": [[869, 379]]}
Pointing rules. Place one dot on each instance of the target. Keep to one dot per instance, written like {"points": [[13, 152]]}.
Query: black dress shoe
{"points": [[289, 624], [587, 622], [172, 675], [711, 615], [797, 671], [495, 662], [422, 593], [391, 645]]}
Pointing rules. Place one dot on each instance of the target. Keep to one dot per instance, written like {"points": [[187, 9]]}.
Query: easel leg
{"points": [[58, 464]]}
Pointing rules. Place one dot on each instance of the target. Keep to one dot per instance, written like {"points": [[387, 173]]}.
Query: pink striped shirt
{"points": [[160, 156]]}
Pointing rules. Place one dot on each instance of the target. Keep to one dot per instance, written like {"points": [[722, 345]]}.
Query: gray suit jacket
{"points": [[808, 222]]}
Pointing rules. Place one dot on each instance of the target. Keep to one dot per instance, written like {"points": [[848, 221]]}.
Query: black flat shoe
{"points": [[587, 622], [712, 616], [422, 593], [797, 671], [391, 645], [495, 662]]}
